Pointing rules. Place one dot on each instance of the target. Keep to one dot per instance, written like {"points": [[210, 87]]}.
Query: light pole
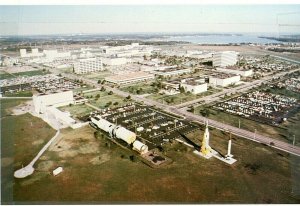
{"points": [[254, 133], [294, 140], [239, 123]]}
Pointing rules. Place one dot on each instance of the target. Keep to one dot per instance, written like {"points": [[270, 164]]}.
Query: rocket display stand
{"points": [[207, 152]]}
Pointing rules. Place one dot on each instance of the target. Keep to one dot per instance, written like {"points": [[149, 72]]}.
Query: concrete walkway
{"points": [[28, 170]]}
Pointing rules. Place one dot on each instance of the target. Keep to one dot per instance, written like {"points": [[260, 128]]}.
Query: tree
{"points": [[110, 92], [181, 89], [102, 89], [97, 96], [116, 103], [128, 97], [99, 81]]}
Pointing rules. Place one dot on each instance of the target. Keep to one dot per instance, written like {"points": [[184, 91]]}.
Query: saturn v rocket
{"points": [[205, 148]]}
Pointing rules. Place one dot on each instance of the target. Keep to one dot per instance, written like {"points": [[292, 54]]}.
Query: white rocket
{"points": [[229, 155]]}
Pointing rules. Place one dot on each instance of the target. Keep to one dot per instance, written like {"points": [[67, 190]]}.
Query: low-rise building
{"points": [[195, 86], [223, 79], [171, 72], [114, 61], [129, 77], [88, 65], [236, 70]]}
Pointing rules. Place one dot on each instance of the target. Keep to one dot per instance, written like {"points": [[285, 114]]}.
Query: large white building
{"points": [[42, 101], [34, 53], [225, 58], [236, 70], [223, 79], [171, 72], [114, 61], [88, 65], [129, 78], [194, 86]]}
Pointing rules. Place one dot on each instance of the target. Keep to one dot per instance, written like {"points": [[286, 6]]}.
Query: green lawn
{"points": [[5, 75], [19, 94], [181, 97], [139, 88], [31, 73], [21, 139], [78, 110], [104, 99], [96, 172]]}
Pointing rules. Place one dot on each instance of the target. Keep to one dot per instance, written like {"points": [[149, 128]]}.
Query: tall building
{"points": [[88, 65], [225, 58]]}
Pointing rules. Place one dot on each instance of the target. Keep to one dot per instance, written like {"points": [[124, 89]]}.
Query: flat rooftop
{"points": [[223, 75], [172, 69], [237, 68], [128, 76]]}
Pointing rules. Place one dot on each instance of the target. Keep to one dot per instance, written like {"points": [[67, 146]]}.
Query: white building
{"points": [[54, 54], [114, 61], [129, 77], [171, 72], [223, 79], [194, 86], [34, 53], [225, 58], [236, 70], [88, 65], [42, 101]]}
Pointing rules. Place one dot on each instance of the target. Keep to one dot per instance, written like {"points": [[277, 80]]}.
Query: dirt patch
{"points": [[45, 166], [23, 108], [67, 153], [38, 142], [100, 159], [61, 146], [34, 178], [88, 148]]}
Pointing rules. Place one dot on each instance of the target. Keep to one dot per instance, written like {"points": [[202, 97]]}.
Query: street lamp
{"points": [[254, 133], [294, 140]]}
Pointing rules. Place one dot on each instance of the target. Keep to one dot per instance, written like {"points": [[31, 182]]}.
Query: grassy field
{"points": [[5, 75], [181, 97], [139, 88], [104, 99], [19, 94], [21, 139], [284, 132], [97, 171], [31, 73], [78, 110]]}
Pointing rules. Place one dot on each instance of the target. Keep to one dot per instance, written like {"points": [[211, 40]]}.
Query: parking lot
{"points": [[40, 83], [261, 106], [151, 126]]}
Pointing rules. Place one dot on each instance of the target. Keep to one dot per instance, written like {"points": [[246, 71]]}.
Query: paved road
{"points": [[189, 116]]}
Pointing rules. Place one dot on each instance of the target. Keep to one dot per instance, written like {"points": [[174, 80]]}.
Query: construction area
{"points": [[261, 106]]}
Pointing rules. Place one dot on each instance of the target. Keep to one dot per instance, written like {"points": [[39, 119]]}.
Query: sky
{"points": [[102, 19]]}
